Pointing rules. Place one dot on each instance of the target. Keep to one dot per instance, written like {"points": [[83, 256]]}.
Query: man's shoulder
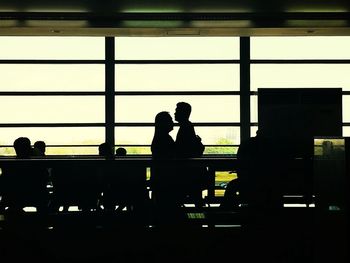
{"points": [[187, 126]]}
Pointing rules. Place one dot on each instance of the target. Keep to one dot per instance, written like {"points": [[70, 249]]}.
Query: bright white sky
{"points": [[222, 77]]}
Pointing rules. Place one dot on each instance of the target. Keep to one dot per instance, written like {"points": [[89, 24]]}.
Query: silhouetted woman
{"points": [[163, 180], [163, 148]]}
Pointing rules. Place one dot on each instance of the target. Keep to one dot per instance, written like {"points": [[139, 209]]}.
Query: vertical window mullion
{"points": [[245, 87], [109, 90]]}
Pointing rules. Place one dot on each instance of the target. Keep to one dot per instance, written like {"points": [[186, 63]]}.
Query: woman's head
{"points": [[164, 122]]}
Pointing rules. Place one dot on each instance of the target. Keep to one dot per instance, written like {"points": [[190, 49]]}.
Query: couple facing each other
{"points": [[172, 183], [187, 143]]}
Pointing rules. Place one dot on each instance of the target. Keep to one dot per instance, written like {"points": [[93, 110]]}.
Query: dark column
{"points": [[109, 88], [245, 87]]}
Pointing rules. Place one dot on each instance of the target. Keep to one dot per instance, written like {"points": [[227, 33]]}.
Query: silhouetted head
{"points": [[182, 111], [40, 147], [104, 149], [120, 152], [164, 122], [22, 147]]}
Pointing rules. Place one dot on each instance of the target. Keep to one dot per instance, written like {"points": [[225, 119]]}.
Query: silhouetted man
{"points": [[188, 145]]}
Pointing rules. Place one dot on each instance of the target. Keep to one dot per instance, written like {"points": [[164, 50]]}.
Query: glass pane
{"points": [[332, 148], [300, 47], [346, 131], [130, 150], [7, 151], [18, 77], [303, 76], [52, 47], [177, 48], [204, 108], [253, 130], [219, 135], [134, 135], [10, 151], [346, 108], [232, 150], [52, 109], [55, 136], [253, 108], [203, 77], [209, 135], [87, 150]]}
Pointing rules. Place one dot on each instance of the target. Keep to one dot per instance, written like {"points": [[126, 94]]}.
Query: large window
{"points": [[300, 62], [153, 74], [314, 47], [77, 92], [52, 89]]}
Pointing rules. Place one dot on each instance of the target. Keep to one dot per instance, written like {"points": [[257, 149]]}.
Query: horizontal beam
{"points": [[183, 16]]}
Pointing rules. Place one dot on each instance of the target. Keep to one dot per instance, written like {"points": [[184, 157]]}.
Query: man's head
{"points": [[182, 112]]}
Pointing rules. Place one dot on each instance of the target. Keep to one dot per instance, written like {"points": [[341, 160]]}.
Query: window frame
{"points": [[110, 92]]}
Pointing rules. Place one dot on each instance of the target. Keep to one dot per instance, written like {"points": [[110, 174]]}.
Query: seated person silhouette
{"points": [[258, 173], [123, 186], [25, 185], [187, 145], [105, 150], [106, 175], [166, 194], [75, 184], [120, 151], [39, 148]]}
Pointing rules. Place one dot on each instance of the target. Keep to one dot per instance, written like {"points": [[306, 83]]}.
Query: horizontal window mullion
{"points": [[300, 61], [70, 145], [61, 125], [118, 145], [170, 93], [52, 93], [255, 93], [182, 61], [215, 124], [50, 61], [61, 145], [197, 124], [148, 145], [256, 124]]}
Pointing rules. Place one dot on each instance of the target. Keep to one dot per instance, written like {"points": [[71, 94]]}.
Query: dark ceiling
{"points": [[181, 17]]}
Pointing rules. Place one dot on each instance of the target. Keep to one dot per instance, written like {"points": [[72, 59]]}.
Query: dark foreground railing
{"points": [[76, 183]]}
